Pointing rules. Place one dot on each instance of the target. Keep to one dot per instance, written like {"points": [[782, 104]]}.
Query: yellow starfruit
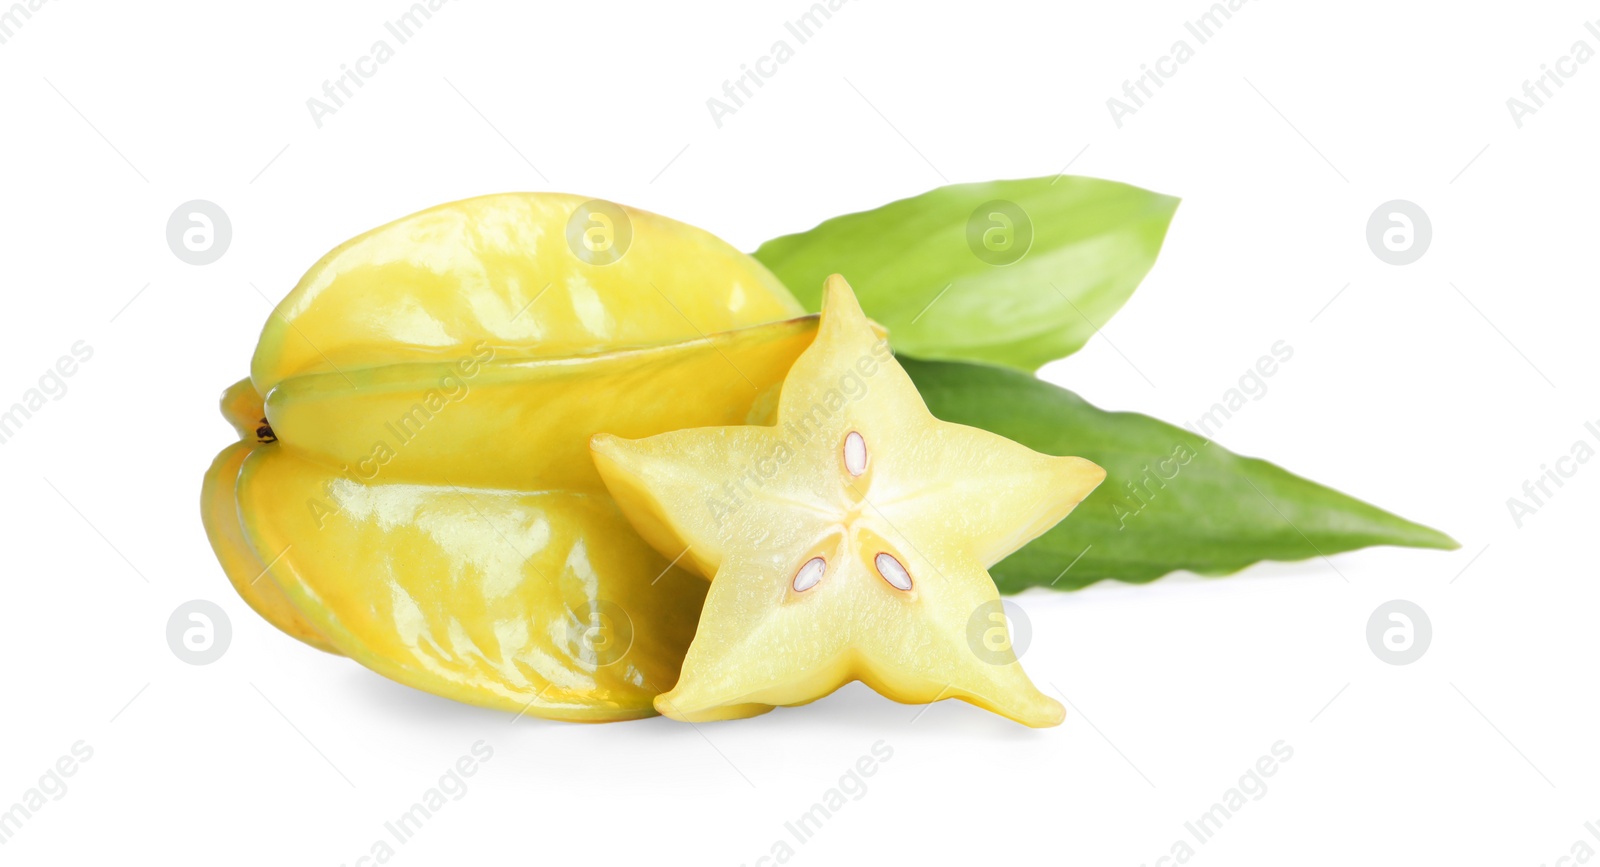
{"points": [[413, 489], [848, 541]]}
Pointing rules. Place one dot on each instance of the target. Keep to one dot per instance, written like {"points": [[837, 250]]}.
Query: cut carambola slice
{"points": [[849, 541]]}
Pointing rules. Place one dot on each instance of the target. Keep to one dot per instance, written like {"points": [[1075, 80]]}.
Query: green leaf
{"points": [[1214, 512], [1084, 245]]}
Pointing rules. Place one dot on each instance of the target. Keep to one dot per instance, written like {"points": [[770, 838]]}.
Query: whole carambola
{"points": [[412, 486]]}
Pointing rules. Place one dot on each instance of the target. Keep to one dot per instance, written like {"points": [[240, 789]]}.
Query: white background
{"points": [[1282, 134]]}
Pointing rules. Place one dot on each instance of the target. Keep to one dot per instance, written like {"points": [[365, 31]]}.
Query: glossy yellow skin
{"points": [[219, 512], [480, 595], [428, 507], [518, 422], [499, 270], [751, 504]]}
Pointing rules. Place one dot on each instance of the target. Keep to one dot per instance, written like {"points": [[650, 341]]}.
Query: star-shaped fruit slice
{"points": [[849, 541]]}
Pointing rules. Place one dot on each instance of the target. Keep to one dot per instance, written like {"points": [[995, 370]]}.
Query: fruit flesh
{"points": [[431, 566], [942, 501]]}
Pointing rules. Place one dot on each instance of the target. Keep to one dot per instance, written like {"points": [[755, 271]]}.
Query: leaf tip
{"points": [[1410, 534]]}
